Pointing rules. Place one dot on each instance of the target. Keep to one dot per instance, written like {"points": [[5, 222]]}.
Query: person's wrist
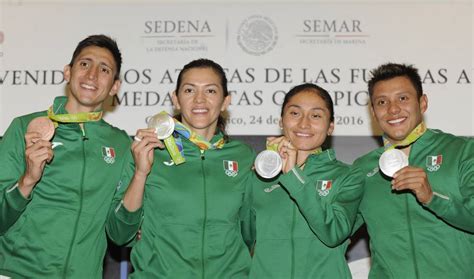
{"points": [[429, 199], [26, 182], [25, 186], [140, 175]]}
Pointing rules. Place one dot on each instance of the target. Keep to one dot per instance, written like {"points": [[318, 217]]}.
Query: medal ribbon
{"points": [[411, 138], [74, 118], [174, 145]]}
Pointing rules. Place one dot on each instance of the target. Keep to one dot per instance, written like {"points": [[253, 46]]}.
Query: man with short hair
{"points": [[58, 173], [420, 217]]}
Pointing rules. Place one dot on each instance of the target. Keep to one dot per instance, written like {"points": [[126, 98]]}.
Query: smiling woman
{"points": [[201, 95], [194, 210], [304, 216]]}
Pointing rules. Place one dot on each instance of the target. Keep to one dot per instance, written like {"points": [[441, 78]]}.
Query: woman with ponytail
{"points": [[190, 214]]}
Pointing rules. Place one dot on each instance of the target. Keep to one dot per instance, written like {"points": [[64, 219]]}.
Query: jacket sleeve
{"points": [[247, 215], [331, 220], [458, 211], [359, 221], [12, 166], [122, 225]]}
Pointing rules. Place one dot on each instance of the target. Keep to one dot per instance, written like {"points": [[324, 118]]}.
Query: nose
{"points": [[93, 73], [304, 122], [393, 108], [199, 96]]}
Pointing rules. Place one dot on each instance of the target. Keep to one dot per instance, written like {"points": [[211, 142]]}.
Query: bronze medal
{"points": [[42, 125]]}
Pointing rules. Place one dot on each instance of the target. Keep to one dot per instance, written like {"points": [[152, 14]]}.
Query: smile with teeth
{"points": [[303, 135], [88, 87], [396, 121], [200, 110]]}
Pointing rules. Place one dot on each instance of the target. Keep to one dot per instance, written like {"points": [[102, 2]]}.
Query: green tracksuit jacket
{"points": [[303, 220], [192, 215], [410, 240], [59, 231]]}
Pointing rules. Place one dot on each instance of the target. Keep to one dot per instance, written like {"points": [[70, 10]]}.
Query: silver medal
{"points": [[268, 164], [163, 124], [392, 161]]}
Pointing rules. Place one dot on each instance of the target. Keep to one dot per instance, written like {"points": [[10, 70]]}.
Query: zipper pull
{"points": [[202, 155], [84, 137]]}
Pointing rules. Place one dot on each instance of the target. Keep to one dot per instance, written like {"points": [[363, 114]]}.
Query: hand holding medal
{"points": [[43, 126], [392, 161], [269, 163], [160, 127], [38, 152], [163, 125]]}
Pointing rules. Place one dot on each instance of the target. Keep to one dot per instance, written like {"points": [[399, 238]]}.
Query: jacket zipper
{"points": [[203, 274], [293, 242], [68, 258], [410, 229], [412, 242]]}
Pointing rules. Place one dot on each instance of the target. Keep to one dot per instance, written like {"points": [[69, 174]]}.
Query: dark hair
{"points": [[392, 70], [206, 63], [321, 92], [102, 41]]}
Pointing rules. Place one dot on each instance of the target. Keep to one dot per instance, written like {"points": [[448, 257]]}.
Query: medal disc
{"points": [[268, 164], [163, 124], [392, 160], [42, 125]]}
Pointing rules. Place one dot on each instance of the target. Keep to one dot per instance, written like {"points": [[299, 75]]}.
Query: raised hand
{"points": [[415, 180], [38, 153], [287, 151], [143, 150]]}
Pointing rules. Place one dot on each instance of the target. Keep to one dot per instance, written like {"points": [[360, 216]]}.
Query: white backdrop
{"points": [[266, 48]]}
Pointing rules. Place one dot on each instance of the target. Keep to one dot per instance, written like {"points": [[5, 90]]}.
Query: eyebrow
{"points": [[315, 108], [193, 84], [388, 95]]}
